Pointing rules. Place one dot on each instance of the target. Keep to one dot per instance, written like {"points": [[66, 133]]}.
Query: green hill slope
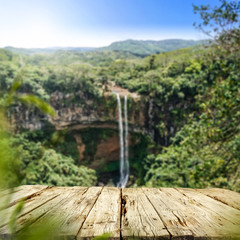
{"points": [[144, 48], [136, 48]]}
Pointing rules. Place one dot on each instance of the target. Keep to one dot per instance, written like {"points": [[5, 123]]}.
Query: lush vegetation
{"points": [[29, 157], [195, 100], [145, 48], [205, 151]]}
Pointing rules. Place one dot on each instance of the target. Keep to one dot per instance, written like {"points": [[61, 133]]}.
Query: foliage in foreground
{"points": [[25, 162], [28, 162]]}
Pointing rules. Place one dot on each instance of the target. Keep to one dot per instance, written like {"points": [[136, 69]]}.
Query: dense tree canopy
{"points": [[194, 93]]}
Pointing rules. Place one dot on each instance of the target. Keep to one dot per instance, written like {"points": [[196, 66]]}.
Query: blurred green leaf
{"points": [[17, 210], [30, 99], [104, 236]]}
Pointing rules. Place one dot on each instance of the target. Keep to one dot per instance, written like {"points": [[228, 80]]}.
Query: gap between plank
{"points": [[121, 211], [218, 200], [204, 205], [170, 235], [215, 198], [32, 222], [88, 212], [28, 196], [10, 236], [38, 206], [21, 215]]}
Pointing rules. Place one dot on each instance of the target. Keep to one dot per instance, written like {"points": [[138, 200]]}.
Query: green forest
{"points": [[187, 92]]}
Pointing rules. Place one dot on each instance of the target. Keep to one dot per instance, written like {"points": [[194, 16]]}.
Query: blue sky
{"points": [[94, 23]]}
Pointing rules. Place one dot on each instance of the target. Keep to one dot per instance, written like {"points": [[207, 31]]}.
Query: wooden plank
{"points": [[104, 216], [165, 213], [12, 196], [139, 218], [40, 204], [5, 197], [69, 216], [179, 217], [211, 224], [36, 200], [228, 197], [226, 220], [23, 190], [220, 208], [4, 192]]}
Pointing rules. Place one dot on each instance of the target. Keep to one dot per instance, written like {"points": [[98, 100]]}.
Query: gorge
{"points": [[178, 104], [97, 131], [90, 127]]}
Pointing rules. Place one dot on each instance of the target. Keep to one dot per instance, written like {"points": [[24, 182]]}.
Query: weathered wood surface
{"points": [[12, 196], [223, 195], [105, 220], [147, 213], [139, 218]]}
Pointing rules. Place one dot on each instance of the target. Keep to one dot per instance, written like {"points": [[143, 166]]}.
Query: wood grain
{"points": [[176, 216], [104, 216], [69, 216], [139, 218], [12, 196], [37, 206], [225, 219], [228, 197], [146, 213]]}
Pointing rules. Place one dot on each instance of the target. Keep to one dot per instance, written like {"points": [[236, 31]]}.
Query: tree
{"points": [[222, 23]]}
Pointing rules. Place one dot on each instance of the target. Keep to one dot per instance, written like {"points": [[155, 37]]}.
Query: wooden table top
{"points": [[149, 213]]}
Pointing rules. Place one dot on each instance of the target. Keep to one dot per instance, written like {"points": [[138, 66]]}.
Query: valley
{"points": [[167, 94]]}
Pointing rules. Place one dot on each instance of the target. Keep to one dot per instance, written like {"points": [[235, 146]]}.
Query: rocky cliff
{"points": [[78, 111], [93, 123]]}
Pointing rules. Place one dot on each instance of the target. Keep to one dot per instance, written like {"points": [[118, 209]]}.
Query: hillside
{"points": [[148, 47], [132, 48]]}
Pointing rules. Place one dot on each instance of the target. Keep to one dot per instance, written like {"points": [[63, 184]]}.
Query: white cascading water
{"points": [[124, 164]]}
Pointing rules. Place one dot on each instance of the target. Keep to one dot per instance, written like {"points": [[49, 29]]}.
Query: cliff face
{"points": [[78, 111], [107, 150], [99, 112], [92, 123]]}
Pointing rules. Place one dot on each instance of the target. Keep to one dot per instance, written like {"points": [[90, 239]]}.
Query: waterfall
{"points": [[124, 163], [120, 126]]}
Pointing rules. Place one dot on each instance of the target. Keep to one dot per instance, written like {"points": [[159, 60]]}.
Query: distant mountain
{"points": [[148, 47], [29, 51], [137, 48]]}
